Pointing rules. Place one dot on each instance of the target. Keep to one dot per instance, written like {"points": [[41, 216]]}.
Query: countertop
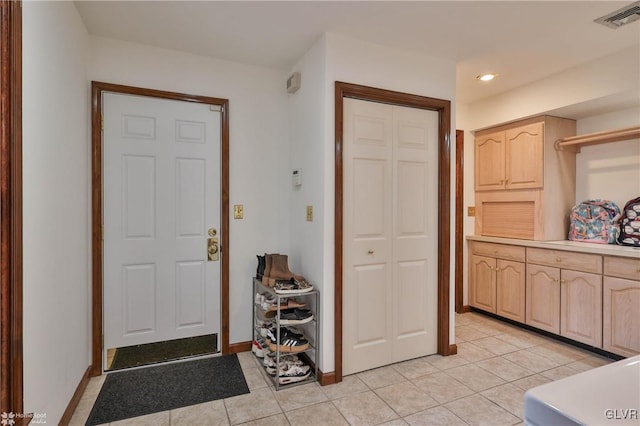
{"points": [[605, 249]]}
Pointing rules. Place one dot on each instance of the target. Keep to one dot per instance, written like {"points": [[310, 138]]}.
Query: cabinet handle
{"points": [[563, 281], [501, 181], [555, 280], [370, 252], [558, 259], [497, 269]]}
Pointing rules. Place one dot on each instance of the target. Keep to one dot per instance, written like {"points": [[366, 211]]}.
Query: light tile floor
{"points": [[484, 384]]}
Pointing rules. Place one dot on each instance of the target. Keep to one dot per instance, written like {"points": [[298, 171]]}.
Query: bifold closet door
{"points": [[390, 234]]}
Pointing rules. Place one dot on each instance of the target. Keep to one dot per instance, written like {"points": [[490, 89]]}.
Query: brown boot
{"points": [[280, 268], [268, 259]]}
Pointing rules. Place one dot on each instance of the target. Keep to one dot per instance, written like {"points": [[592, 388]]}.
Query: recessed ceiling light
{"points": [[487, 77]]}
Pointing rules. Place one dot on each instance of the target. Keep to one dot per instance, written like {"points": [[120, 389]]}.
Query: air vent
{"points": [[621, 17]]}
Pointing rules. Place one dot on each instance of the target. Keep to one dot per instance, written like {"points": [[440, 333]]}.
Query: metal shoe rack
{"points": [[310, 331]]}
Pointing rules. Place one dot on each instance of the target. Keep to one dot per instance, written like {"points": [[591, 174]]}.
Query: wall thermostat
{"points": [[293, 82], [296, 177]]}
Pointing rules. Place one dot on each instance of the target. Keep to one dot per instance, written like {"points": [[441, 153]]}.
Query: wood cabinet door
{"points": [[510, 289], [524, 157], [490, 165], [621, 316], [581, 307], [482, 294], [543, 298]]}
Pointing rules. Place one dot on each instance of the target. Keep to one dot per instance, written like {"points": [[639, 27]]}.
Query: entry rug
{"points": [[149, 390]]}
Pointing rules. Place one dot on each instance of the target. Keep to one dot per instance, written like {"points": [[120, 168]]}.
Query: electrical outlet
{"points": [[471, 211], [309, 213], [238, 211]]}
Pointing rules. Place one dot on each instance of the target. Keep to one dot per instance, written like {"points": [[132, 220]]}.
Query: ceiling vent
{"points": [[621, 17]]}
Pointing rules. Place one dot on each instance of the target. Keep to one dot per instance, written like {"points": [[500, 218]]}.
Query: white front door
{"points": [[390, 234], [161, 177]]}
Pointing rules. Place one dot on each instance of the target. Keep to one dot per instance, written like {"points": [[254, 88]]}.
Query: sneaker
{"points": [[295, 316], [256, 348], [293, 373], [270, 361], [286, 365], [289, 342], [292, 286]]}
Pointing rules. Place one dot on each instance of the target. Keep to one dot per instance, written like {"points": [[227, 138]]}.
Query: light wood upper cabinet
{"points": [[510, 289], [524, 163], [581, 307], [524, 187], [490, 162], [621, 316]]}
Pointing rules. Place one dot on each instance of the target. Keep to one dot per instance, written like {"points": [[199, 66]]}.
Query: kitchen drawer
{"points": [[500, 251], [622, 267], [564, 259]]}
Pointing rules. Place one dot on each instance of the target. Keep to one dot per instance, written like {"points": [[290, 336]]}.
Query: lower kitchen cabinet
{"points": [[510, 289], [621, 316], [543, 298], [581, 307]]}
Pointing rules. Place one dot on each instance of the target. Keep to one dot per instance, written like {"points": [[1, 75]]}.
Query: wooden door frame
{"points": [[97, 88], [459, 237], [11, 361], [443, 107]]}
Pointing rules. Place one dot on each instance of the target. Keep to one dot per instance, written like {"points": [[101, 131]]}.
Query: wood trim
{"points": [[348, 90], [11, 248], [75, 399], [465, 309], [326, 379], [459, 237], [236, 348], [97, 88], [453, 349]]}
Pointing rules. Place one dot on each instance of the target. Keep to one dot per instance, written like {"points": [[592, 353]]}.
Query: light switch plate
{"points": [[238, 211], [309, 213], [471, 211]]}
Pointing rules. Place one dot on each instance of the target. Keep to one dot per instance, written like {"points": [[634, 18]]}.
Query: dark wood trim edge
{"points": [[459, 236], [443, 107], [465, 309], [97, 88], [235, 348], [75, 399], [11, 303], [452, 350], [326, 379]]}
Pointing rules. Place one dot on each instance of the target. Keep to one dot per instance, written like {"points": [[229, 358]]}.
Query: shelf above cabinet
{"points": [[599, 138]]}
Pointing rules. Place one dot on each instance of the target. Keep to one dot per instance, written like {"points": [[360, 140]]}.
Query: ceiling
{"points": [[522, 41]]}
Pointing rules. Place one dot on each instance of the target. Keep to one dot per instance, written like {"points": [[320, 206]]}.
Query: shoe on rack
{"points": [[280, 270], [292, 286], [285, 365], [261, 265], [256, 348], [293, 373], [295, 316], [268, 263], [289, 342]]}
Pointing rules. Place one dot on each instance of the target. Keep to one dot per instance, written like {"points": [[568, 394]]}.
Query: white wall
{"points": [[609, 171], [334, 58], [259, 150], [56, 205]]}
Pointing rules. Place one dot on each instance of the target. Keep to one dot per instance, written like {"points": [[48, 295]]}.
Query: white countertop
{"points": [[604, 395], [565, 245]]}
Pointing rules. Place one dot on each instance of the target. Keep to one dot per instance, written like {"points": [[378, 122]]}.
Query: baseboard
{"points": [[75, 399], [326, 378], [453, 350], [235, 348]]}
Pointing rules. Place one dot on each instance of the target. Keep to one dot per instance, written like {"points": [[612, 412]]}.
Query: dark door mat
{"points": [[153, 353], [149, 390]]}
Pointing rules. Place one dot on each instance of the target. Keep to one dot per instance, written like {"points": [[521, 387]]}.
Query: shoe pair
{"points": [[295, 316], [290, 341], [257, 349], [276, 268], [292, 286], [270, 362]]}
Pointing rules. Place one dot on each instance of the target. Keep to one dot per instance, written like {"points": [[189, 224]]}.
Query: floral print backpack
{"points": [[594, 221], [630, 224]]}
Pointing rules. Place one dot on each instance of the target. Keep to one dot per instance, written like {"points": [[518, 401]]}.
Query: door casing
{"points": [[97, 88], [443, 107]]}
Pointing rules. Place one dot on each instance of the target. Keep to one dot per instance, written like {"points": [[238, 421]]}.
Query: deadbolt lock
{"points": [[213, 232]]}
